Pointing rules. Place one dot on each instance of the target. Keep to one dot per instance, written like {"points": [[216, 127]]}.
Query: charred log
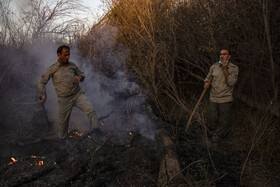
{"points": [[169, 171]]}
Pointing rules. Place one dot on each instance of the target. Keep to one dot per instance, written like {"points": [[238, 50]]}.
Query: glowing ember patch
{"points": [[75, 133], [13, 161], [40, 163], [130, 134], [78, 133]]}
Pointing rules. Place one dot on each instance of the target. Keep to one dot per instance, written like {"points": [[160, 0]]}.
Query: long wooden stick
{"points": [[196, 106], [45, 114]]}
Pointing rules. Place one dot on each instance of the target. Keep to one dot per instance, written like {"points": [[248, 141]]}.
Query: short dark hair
{"points": [[60, 48], [229, 51]]}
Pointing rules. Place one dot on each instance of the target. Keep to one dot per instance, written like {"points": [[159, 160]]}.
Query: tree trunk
{"points": [[169, 166]]}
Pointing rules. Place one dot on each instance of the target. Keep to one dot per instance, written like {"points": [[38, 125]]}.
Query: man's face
{"points": [[63, 57], [224, 56]]}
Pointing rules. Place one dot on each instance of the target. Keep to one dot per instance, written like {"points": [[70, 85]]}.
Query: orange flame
{"points": [[13, 161], [130, 134], [40, 163], [75, 134], [78, 133]]}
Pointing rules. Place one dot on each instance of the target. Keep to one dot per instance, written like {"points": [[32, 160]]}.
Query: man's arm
{"points": [[232, 76], [41, 85], [208, 78], [80, 76]]}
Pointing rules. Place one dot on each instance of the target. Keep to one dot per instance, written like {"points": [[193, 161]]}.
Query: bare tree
{"points": [[7, 25], [38, 19]]}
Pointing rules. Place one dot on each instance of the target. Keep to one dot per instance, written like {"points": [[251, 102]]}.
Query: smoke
{"points": [[116, 97]]}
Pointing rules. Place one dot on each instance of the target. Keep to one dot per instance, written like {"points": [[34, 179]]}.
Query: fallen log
{"points": [[32, 177]]}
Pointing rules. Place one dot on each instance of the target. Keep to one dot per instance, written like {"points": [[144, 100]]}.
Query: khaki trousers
{"points": [[65, 108], [219, 119]]}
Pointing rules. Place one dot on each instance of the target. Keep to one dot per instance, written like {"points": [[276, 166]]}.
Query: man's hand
{"points": [[43, 98], [225, 64], [225, 69], [206, 85], [77, 79]]}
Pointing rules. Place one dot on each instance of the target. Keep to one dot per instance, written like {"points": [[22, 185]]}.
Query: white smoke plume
{"points": [[116, 98]]}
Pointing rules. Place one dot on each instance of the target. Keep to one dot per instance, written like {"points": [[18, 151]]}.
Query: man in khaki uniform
{"points": [[222, 78], [66, 77]]}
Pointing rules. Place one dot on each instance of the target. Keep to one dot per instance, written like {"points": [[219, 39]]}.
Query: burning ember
{"points": [[130, 134], [40, 163], [75, 133], [13, 161]]}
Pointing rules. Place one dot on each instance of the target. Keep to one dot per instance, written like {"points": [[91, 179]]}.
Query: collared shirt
{"points": [[222, 89], [62, 77]]}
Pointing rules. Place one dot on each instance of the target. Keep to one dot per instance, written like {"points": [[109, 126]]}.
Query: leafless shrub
{"points": [[261, 130], [39, 19]]}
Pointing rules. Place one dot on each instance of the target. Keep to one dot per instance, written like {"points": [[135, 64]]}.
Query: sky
{"points": [[95, 6]]}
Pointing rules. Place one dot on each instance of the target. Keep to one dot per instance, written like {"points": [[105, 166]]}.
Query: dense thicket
{"points": [[173, 43]]}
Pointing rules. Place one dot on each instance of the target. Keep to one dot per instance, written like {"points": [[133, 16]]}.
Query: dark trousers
{"points": [[219, 119]]}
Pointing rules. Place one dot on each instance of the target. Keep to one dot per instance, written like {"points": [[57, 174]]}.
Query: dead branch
{"points": [[33, 177]]}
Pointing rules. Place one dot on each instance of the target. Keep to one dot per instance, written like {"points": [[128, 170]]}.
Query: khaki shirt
{"points": [[222, 89], [62, 77]]}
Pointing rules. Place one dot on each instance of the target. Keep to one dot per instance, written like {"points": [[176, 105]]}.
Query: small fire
{"points": [[130, 134], [40, 163], [78, 133], [75, 133], [13, 161]]}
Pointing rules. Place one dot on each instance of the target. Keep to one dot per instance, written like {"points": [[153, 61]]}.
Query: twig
{"points": [[211, 182]]}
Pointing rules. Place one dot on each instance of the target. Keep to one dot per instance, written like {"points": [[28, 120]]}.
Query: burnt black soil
{"points": [[128, 159], [80, 161]]}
